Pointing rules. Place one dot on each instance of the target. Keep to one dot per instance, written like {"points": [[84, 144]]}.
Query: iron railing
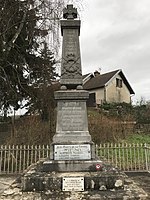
{"points": [[127, 157]]}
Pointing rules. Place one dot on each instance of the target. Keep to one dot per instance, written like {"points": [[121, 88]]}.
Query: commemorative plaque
{"points": [[72, 117], [72, 152], [73, 184]]}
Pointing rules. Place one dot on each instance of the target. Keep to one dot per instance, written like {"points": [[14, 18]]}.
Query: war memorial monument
{"points": [[73, 165]]}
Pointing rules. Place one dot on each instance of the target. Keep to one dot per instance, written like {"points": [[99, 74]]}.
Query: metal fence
{"points": [[16, 158], [127, 157]]}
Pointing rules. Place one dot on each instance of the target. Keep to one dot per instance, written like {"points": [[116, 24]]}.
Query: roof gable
{"points": [[86, 75], [126, 82]]}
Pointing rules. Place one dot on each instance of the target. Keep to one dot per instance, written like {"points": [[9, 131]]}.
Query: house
{"points": [[111, 87]]}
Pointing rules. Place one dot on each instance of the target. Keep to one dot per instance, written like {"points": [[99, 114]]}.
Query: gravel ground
{"points": [[142, 179], [6, 181]]}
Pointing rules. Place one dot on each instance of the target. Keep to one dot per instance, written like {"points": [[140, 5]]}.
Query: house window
{"points": [[91, 102], [118, 82]]}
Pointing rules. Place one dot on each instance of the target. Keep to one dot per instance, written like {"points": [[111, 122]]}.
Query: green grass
{"points": [[138, 138]]}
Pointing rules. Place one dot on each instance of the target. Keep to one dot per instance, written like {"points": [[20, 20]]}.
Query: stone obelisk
{"points": [[71, 74], [72, 124]]}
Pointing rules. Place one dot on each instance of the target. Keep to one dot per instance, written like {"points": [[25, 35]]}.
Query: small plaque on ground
{"points": [[73, 184], [72, 152]]}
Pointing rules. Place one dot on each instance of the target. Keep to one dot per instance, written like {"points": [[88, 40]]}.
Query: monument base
{"points": [[87, 181], [71, 166], [99, 185], [54, 175]]}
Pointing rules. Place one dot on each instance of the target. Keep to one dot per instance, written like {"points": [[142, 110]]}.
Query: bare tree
{"points": [[29, 47]]}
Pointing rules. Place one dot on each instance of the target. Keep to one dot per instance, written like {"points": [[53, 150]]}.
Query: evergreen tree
{"points": [[27, 50], [25, 60]]}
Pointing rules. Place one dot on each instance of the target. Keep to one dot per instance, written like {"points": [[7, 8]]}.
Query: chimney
{"points": [[96, 73]]}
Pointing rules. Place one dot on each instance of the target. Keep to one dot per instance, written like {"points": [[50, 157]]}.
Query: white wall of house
{"points": [[111, 93], [117, 94]]}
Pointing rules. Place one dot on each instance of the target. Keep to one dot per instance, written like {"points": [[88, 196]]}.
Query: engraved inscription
{"points": [[72, 117], [72, 152], [70, 41], [73, 184]]}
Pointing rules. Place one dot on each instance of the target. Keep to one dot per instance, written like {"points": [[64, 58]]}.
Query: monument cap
{"points": [[70, 12]]}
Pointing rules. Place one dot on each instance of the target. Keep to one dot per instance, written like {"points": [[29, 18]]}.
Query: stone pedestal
{"points": [[71, 165], [90, 181], [72, 124], [105, 183], [72, 148]]}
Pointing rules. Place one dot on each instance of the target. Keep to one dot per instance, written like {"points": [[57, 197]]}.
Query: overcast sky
{"points": [[115, 34]]}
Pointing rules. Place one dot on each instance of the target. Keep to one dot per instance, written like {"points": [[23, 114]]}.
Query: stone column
{"points": [[72, 123], [71, 75]]}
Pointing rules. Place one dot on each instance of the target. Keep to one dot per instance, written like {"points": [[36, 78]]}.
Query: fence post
{"points": [[146, 158], [1, 156], [96, 150]]}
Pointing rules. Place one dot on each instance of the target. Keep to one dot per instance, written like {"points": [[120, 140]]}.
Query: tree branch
{"points": [[12, 41]]}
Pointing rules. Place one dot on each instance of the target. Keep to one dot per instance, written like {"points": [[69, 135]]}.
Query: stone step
{"points": [[75, 166], [41, 181]]}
